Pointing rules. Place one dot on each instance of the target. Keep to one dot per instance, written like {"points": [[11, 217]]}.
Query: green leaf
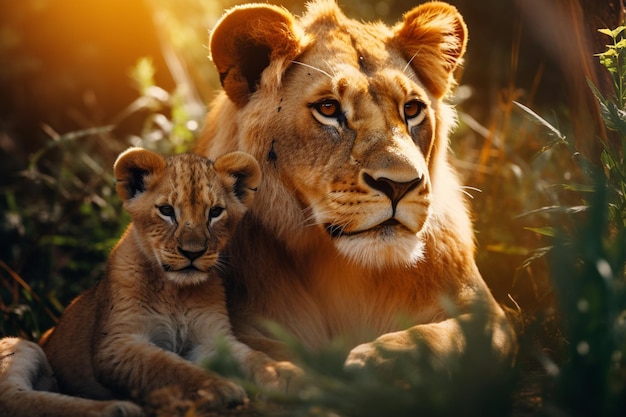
{"points": [[612, 33], [606, 32], [611, 52], [537, 254], [542, 121], [68, 137], [583, 188], [545, 231], [506, 249], [617, 31], [553, 209], [143, 74], [613, 117]]}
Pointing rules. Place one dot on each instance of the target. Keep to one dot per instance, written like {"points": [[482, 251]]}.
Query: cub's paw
{"points": [[281, 376], [122, 409], [219, 393]]}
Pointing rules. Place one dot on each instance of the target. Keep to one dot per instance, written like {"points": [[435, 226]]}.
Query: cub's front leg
{"points": [[135, 367], [266, 372], [281, 376]]}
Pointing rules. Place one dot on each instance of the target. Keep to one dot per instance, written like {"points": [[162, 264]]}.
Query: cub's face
{"points": [[185, 208]]}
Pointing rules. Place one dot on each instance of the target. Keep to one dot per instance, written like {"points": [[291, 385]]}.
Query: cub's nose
{"points": [[191, 254], [394, 190]]}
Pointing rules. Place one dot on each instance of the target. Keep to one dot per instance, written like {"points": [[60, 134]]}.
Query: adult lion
{"points": [[360, 223]]}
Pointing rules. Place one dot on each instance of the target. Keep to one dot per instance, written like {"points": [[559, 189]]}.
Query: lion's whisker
{"points": [[309, 218], [467, 187], [330, 67], [313, 68], [408, 64]]}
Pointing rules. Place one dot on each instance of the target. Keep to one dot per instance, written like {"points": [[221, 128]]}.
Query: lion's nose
{"points": [[394, 190], [191, 254]]}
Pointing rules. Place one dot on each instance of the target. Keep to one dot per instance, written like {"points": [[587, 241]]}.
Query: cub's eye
{"points": [[167, 211], [328, 108], [215, 212], [414, 112]]}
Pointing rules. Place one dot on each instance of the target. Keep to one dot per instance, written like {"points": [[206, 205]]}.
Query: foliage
{"points": [[592, 289], [588, 265], [63, 191], [413, 383], [61, 216], [614, 60], [613, 112]]}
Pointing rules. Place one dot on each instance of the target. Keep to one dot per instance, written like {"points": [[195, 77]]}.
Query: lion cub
{"points": [[157, 312]]}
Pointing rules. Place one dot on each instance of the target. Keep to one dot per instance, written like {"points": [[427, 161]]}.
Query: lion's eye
{"points": [[328, 112], [215, 212], [167, 211], [414, 112], [328, 108]]}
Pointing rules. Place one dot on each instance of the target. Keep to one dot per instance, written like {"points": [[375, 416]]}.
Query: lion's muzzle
{"points": [[394, 190]]}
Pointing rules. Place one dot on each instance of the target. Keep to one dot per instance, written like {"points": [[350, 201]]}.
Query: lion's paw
{"points": [[281, 376], [361, 356]]}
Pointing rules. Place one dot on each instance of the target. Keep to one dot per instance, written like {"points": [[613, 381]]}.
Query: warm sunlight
{"points": [[538, 144]]}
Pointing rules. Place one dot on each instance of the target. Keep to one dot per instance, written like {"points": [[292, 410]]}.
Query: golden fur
{"points": [[159, 310], [27, 386], [358, 228], [360, 225]]}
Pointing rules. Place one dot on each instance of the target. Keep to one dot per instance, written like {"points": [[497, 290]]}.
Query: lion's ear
{"points": [[246, 40], [131, 168], [241, 172], [433, 36]]}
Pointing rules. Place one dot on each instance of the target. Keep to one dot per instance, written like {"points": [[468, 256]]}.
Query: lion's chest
{"points": [[355, 306]]}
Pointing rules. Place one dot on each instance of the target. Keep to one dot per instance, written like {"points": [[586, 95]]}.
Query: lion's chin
{"points": [[378, 251], [187, 277]]}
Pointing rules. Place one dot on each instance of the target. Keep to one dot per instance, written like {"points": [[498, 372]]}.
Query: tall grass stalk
{"points": [[587, 264]]}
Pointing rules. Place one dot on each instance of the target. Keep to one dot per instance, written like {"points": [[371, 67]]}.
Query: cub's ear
{"points": [[131, 168], [247, 40], [241, 172], [433, 37]]}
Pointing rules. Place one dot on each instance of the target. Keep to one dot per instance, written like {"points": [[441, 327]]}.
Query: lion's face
{"points": [[357, 154], [344, 120], [185, 208]]}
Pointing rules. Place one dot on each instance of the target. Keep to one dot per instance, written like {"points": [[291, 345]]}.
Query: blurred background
{"points": [[82, 80]]}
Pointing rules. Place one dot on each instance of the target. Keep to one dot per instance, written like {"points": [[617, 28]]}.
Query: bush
{"points": [[61, 215]]}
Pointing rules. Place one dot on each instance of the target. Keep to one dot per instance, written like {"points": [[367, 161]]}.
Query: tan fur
{"points": [[160, 309], [360, 225], [26, 382]]}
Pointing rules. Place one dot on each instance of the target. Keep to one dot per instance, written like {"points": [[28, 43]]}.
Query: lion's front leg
{"points": [[440, 339]]}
